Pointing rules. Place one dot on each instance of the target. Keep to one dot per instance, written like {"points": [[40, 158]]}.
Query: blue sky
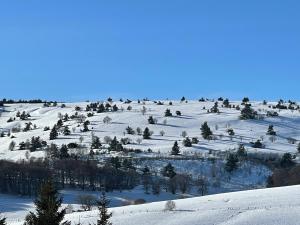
{"points": [[77, 50]]}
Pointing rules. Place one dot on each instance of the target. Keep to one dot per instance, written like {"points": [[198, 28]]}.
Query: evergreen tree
{"points": [[187, 142], [129, 130], [286, 160], [257, 144], [146, 134], [101, 108], [298, 148], [241, 152], [231, 163], [175, 149], [168, 113], [205, 131], [169, 171], [2, 221], [66, 131], [103, 212], [115, 108], [59, 123], [64, 152], [248, 113], [151, 120], [115, 145], [85, 126], [215, 109], [53, 133], [271, 130], [226, 103], [47, 206], [96, 144]]}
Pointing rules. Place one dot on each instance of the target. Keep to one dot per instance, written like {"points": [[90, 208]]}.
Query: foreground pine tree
{"points": [[103, 212], [47, 207], [2, 221]]}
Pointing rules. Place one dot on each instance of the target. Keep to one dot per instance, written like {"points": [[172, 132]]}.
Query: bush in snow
{"points": [[170, 205]]}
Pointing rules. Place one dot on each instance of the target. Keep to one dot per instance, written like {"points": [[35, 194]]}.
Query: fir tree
{"points": [[175, 149], [187, 142], [47, 207], [85, 126], [103, 212], [169, 171], [248, 113], [53, 133], [271, 130], [66, 131], [146, 134], [129, 130], [64, 152], [226, 103], [168, 113], [2, 221], [151, 120], [205, 131], [115, 145], [286, 160], [96, 144], [231, 163]]}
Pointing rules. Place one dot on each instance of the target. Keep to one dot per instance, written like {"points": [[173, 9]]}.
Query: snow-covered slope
{"points": [[193, 115], [276, 206]]}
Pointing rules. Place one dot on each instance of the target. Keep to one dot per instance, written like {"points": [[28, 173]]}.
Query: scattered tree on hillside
{"points": [[205, 131], [175, 149], [248, 113], [271, 130], [146, 133], [168, 113], [187, 142], [53, 133]]}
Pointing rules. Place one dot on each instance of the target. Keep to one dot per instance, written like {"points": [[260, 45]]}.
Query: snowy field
{"points": [[287, 125], [275, 206]]}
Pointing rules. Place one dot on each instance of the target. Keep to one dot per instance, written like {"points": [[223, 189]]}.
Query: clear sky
{"points": [[77, 50]]}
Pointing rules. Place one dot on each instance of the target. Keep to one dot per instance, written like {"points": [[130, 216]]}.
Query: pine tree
{"points": [[53, 133], [115, 145], [129, 130], [187, 142], [2, 221], [85, 126], [47, 207], [103, 212], [169, 171], [271, 130], [151, 120], [146, 134], [96, 144], [168, 113], [231, 163], [248, 113], [205, 131], [175, 149], [64, 152], [66, 131]]}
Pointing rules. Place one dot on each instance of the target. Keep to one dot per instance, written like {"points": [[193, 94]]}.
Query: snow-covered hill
{"points": [[275, 206], [194, 113]]}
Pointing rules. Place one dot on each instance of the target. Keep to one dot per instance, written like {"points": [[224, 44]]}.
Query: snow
{"points": [[278, 206], [193, 115]]}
